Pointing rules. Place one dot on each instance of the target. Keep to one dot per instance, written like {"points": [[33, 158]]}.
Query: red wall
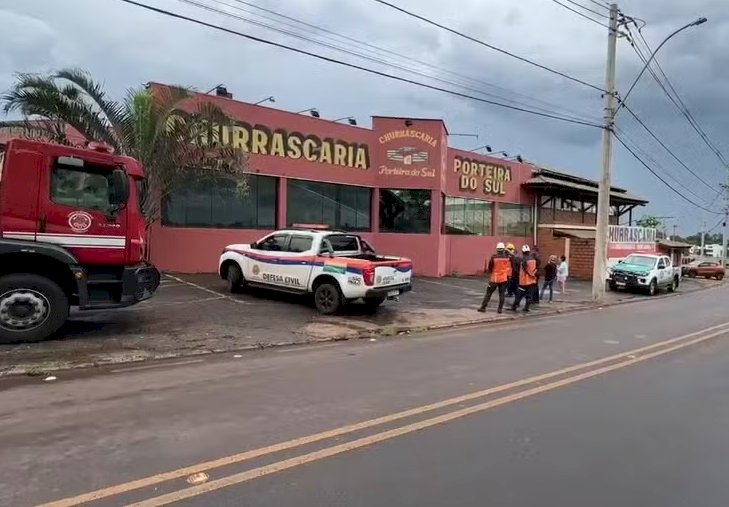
{"points": [[401, 153]]}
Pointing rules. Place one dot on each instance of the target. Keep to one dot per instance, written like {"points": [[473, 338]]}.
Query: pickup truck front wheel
{"points": [[327, 298], [653, 288], [234, 277]]}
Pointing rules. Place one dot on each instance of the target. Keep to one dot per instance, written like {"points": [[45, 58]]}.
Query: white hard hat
{"points": [[500, 246], [525, 248]]}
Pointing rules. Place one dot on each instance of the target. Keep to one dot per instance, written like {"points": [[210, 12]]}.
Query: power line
{"points": [[555, 109], [635, 155], [601, 14], [675, 157], [580, 13], [642, 57], [490, 46], [354, 66], [604, 5], [636, 146], [680, 104]]}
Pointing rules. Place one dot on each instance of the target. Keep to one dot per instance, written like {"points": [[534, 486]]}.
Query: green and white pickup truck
{"points": [[647, 272]]}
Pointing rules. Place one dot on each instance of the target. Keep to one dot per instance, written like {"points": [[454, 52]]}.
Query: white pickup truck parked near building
{"points": [[647, 272], [335, 267]]}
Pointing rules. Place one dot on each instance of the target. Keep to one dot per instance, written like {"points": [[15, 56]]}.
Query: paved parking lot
{"points": [[194, 314]]}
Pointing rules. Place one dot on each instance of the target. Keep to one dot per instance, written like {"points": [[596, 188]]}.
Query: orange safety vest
{"points": [[528, 271], [499, 268]]}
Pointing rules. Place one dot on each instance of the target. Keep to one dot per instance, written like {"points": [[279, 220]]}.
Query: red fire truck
{"points": [[71, 234]]}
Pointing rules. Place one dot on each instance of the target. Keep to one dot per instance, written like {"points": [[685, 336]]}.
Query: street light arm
{"points": [[653, 55]]}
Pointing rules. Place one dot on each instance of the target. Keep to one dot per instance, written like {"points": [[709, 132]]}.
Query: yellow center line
{"points": [[301, 441], [262, 471]]}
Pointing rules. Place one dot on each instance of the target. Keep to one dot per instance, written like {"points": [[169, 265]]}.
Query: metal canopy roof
{"points": [[575, 233], [553, 183]]}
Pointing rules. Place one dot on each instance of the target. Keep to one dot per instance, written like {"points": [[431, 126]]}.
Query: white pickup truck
{"points": [[336, 267], [646, 272]]}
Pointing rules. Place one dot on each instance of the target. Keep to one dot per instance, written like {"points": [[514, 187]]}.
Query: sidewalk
{"points": [[193, 314]]}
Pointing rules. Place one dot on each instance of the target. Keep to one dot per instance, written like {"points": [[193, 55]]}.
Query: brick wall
{"points": [[549, 244], [582, 258]]}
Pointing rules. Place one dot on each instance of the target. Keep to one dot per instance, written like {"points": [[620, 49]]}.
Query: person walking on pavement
{"points": [[527, 279], [535, 253], [563, 272], [550, 274], [499, 269], [513, 282]]}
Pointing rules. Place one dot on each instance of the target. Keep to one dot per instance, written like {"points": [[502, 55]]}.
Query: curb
{"points": [[390, 331]]}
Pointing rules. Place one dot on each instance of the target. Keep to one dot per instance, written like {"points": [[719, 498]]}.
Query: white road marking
{"points": [[152, 304], [209, 291], [611, 342]]}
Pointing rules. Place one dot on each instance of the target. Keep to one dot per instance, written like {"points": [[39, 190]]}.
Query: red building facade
{"points": [[398, 184]]}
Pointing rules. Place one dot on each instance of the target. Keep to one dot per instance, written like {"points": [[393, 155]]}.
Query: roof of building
{"points": [[674, 244], [575, 233], [569, 185]]}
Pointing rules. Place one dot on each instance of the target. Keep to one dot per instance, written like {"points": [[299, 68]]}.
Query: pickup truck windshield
{"points": [[640, 260]]}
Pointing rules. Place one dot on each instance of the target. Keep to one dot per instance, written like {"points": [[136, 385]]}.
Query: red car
{"points": [[706, 269]]}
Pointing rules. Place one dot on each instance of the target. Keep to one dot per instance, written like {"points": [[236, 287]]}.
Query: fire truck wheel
{"points": [[32, 308]]}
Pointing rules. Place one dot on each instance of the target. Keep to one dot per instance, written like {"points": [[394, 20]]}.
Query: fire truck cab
{"points": [[71, 234]]}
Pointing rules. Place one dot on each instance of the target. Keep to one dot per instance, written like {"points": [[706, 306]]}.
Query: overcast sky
{"points": [[125, 46]]}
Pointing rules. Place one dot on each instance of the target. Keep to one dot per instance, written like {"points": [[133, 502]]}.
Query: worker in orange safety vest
{"points": [[527, 279], [499, 269]]}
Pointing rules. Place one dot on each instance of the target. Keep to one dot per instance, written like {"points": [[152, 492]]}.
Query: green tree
{"points": [[649, 221], [158, 128]]}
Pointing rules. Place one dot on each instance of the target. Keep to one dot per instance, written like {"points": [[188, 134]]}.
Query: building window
{"points": [[405, 211], [515, 220], [215, 202], [467, 216], [338, 206]]}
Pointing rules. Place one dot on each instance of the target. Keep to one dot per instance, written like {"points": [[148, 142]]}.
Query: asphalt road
{"points": [[642, 427]]}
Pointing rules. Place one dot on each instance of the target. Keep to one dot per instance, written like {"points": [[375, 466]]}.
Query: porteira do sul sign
{"points": [[477, 174]]}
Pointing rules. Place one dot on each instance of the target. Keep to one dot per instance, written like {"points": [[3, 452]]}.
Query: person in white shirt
{"points": [[563, 272]]}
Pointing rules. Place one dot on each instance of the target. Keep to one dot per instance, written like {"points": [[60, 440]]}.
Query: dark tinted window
{"points": [[405, 211], [338, 206], [275, 243], [343, 243], [216, 202], [300, 244]]}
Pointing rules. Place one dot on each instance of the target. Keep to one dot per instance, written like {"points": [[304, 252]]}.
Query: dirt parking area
{"points": [[193, 314]]}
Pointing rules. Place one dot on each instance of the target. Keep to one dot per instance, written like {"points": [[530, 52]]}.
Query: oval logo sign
{"points": [[79, 221]]}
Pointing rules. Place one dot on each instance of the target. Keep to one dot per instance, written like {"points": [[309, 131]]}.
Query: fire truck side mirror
{"points": [[119, 194]]}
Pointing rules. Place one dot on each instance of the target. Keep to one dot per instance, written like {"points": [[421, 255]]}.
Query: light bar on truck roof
{"points": [[311, 227]]}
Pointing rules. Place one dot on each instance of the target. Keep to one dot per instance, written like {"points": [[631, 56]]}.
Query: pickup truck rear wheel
{"points": [[373, 303], [32, 308], [327, 298], [674, 285]]}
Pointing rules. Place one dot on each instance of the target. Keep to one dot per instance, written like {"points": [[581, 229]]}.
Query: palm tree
{"points": [[159, 127]]}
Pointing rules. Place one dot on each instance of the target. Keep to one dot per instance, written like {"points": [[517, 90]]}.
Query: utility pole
{"points": [[603, 196], [673, 236], [726, 219], [703, 238]]}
